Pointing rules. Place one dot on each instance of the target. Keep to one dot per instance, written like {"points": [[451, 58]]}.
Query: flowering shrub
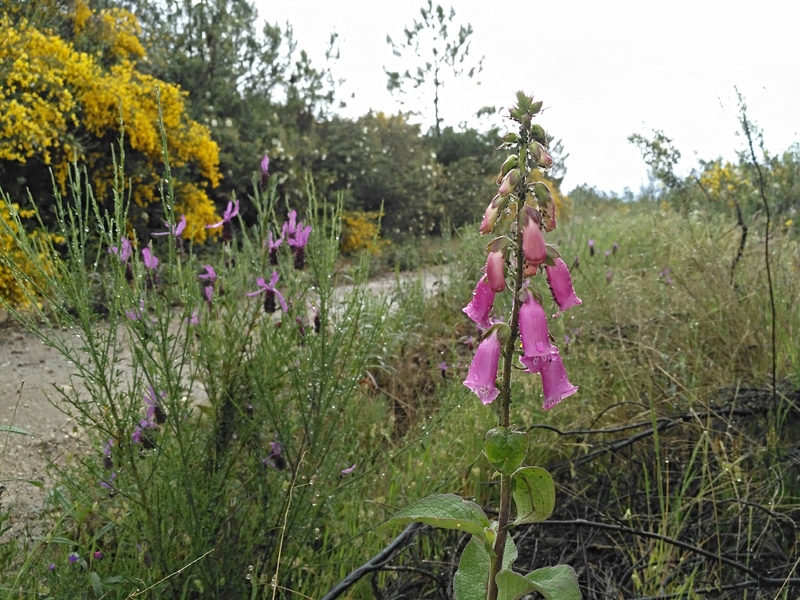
{"points": [[361, 231], [61, 104], [11, 282]]}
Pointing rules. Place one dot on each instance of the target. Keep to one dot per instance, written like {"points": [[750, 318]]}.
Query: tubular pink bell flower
{"points": [[560, 282], [483, 371], [555, 384], [509, 182], [480, 309], [495, 271], [536, 346], [533, 246]]}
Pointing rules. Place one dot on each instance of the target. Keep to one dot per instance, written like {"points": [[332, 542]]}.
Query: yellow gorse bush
{"points": [[361, 231], [59, 105], [10, 252]]}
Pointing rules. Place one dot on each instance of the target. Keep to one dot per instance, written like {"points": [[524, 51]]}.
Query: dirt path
{"points": [[29, 374]]}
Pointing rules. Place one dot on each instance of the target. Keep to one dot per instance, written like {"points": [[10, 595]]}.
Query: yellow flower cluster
{"points": [[723, 181], [61, 105], [361, 231], [10, 289]]}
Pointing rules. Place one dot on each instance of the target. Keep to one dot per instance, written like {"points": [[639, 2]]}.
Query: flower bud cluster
{"points": [[519, 216]]}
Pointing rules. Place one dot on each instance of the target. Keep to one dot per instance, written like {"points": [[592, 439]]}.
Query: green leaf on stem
{"points": [[534, 495], [511, 586], [556, 583], [472, 578], [446, 511], [506, 449]]}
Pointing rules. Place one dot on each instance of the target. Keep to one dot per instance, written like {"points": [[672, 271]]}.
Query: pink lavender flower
{"points": [[136, 314], [209, 275], [264, 170], [275, 458], [555, 384], [591, 247], [98, 555], [150, 260], [296, 235], [140, 435], [272, 247], [480, 308], [123, 253], [348, 470], [174, 230], [227, 229], [231, 211], [271, 293], [443, 369], [560, 282], [208, 292], [483, 370], [153, 408], [108, 484], [194, 319], [51, 567]]}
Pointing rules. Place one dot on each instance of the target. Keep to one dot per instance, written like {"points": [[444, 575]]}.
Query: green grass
{"points": [[650, 350]]}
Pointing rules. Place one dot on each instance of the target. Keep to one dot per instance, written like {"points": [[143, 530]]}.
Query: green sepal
{"points": [[446, 511], [538, 134], [534, 494], [506, 449], [552, 252]]}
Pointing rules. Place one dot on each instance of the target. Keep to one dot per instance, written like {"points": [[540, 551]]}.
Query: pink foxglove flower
{"points": [[555, 384], [533, 246], [509, 182], [560, 282], [483, 371], [490, 216], [495, 271], [536, 345], [480, 309]]}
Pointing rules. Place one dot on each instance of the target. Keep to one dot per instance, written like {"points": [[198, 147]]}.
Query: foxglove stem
{"points": [[505, 411]]}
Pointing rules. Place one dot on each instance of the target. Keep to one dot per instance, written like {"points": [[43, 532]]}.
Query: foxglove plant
{"points": [[518, 216]]}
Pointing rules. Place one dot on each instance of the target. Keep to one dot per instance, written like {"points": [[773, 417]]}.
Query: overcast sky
{"points": [[604, 69]]}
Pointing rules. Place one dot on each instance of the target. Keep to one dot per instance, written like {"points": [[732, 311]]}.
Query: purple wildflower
{"points": [[150, 260], [443, 369], [135, 314], [480, 308], [73, 557], [348, 470], [560, 282], [273, 248], [227, 229], [264, 170], [209, 275], [591, 247], [296, 235], [174, 230], [51, 567], [123, 253], [483, 371], [555, 384], [98, 555], [108, 484], [153, 409], [271, 293]]}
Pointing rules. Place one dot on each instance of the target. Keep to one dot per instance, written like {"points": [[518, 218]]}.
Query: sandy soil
{"points": [[29, 374]]}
